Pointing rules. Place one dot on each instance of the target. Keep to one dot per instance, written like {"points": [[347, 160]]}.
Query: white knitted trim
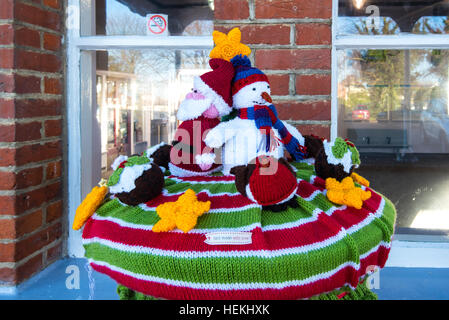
{"points": [[176, 171], [117, 161], [206, 158], [346, 161], [222, 107], [128, 177], [153, 149], [251, 196]]}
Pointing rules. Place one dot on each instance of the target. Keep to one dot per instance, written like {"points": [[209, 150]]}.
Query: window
{"points": [[392, 97], [125, 81]]}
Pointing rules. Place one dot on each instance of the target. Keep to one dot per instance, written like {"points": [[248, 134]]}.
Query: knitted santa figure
{"points": [[200, 111], [256, 130]]}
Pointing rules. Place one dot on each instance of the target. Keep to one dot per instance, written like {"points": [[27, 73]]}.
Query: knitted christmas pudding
{"points": [[310, 229]]}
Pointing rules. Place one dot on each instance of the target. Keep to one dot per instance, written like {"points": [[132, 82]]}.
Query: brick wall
{"points": [[31, 145], [291, 42]]}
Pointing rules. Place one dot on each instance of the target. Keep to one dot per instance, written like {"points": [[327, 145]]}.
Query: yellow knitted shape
{"points": [[345, 192], [87, 208], [182, 214], [228, 46], [359, 179]]}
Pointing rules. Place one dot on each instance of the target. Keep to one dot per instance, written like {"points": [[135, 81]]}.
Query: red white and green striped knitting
{"points": [[294, 254]]}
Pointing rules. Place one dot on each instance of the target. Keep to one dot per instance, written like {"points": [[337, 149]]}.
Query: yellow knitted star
{"points": [[359, 179], [345, 192], [228, 46], [182, 214]]}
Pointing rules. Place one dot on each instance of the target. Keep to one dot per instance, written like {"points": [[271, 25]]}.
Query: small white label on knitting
{"points": [[228, 238]]}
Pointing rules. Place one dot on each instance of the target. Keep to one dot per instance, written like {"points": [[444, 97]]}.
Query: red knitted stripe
{"points": [[239, 84], [336, 281]]}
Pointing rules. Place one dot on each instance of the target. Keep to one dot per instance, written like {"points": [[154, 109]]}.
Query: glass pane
{"points": [[137, 17], [138, 93], [380, 17], [393, 104]]}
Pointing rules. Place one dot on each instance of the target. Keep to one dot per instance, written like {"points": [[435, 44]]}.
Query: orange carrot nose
{"points": [[267, 97]]}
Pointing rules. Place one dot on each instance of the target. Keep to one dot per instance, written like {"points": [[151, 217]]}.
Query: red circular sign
{"points": [[157, 24]]}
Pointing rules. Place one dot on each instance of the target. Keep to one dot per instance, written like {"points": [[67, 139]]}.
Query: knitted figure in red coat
{"points": [[199, 112]]}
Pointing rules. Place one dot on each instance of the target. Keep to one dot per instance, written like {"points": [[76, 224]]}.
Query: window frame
{"points": [[402, 41], [83, 129]]}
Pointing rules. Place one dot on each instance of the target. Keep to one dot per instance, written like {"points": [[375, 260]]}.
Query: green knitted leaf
{"points": [[355, 156], [230, 116], [115, 177], [136, 160], [340, 148]]}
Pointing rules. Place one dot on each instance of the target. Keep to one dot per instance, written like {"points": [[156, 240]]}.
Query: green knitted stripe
{"points": [[226, 269], [213, 188], [302, 166]]}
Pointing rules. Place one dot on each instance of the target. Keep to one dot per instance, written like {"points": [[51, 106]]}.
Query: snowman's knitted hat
{"points": [[245, 74], [216, 84]]}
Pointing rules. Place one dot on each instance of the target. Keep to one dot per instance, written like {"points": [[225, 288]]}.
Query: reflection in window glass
{"points": [[380, 17], [394, 105], [129, 17], [138, 93]]}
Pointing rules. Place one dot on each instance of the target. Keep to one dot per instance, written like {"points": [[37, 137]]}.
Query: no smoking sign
{"points": [[157, 25]]}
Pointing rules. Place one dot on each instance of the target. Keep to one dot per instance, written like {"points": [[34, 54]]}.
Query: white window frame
{"points": [[415, 250], [83, 129]]}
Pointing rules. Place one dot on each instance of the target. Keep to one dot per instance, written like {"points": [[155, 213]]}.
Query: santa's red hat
{"points": [[216, 85]]}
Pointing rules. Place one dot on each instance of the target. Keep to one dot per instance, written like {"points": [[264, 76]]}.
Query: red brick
{"points": [[264, 34], [6, 34], [279, 84], [7, 180], [316, 110], [7, 252], [55, 4], [7, 157], [36, 198], [29, 268], [313, 34], [20, 132], [53, 128], [28, 223], [38, 152], [28, 131], [6, 83], [54, 211], [27, 37], [37, 241], [29, 177], [53, 85], [16, 227], [43, 62], [52, 42], [54, 252], [8, 205], [293, 9], [29, 108], [6, 58], [231, 10], [316, 129], [7, 108], [54, 170], [37, 16], [7, 229], [7, 276], [283, 59], [27, 84], [313, 84], [7, 9]]}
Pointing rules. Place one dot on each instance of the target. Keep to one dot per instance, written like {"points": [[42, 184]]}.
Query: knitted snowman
{"points": [[256, 130], [136, 179], [199, 112]]}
